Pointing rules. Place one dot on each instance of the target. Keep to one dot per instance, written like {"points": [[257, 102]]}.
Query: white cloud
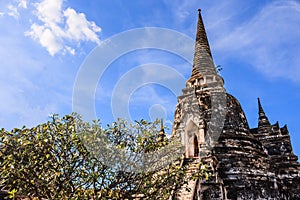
{"points": [[46, 38], [269, 41], [1, 14], [60, 27], [70, 50], [13, 11], [32, 84], [22, 4], [49, 11], [78, 28], [13, 8]]}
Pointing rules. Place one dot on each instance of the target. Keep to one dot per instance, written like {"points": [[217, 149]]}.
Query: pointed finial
{"points": [[203, 61], [203, 64], [201, 37], [262, 119], [260, 109]]}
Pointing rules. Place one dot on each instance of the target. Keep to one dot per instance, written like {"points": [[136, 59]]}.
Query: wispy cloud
{"points": [[58, 29], [269, 41], [13, 11], [32, 83], [14, 7], [22, 4]]}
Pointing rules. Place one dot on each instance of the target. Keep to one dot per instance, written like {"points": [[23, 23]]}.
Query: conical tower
{"points": [[244, 163], [205, 84], [204, 72], [276, 142], [263, 120], [213, 129]]}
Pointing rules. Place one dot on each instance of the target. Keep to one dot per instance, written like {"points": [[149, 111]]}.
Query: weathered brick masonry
{"points": [[245, 163]]}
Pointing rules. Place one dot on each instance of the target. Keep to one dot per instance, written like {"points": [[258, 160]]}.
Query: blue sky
{"points": [[45, 43]]}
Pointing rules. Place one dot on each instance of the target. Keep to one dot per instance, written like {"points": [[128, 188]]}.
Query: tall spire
{"points": [[203, 62], [260, 109], [201, 37], [262, 119]]}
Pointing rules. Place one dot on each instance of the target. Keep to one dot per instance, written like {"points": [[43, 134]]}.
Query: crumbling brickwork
{"points": [[245, 163]]}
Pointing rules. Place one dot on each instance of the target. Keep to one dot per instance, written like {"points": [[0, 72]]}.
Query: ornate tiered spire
{"points": [[262, 119], [201, 37], [203, 62]]}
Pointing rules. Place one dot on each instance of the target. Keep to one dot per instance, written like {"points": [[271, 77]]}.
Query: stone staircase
{"points": [[186, 189]]}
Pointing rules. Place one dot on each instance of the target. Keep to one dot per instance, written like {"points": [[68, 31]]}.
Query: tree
{"points": [[72, 159], [46, 161]]}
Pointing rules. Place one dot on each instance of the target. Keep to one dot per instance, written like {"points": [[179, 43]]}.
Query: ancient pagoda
{"points": [[244, 163]]}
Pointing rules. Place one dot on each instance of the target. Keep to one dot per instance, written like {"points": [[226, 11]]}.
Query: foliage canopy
{"points": [[67, 158]]}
